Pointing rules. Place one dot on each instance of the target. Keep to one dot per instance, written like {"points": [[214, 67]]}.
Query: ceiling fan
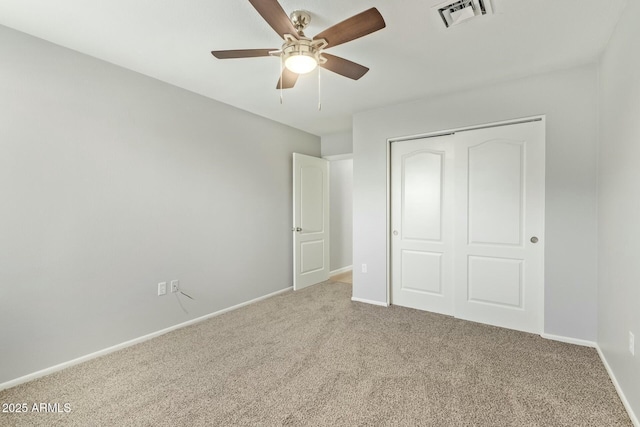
{"points": [[301, 54]]}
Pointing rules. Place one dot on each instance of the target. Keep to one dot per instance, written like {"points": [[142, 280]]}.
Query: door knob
{"points": [[395, 232], [534, 239], [297, 229]]}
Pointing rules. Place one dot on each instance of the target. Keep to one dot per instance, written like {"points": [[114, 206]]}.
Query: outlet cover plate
{"points": [[175, 286], [162, 288]]}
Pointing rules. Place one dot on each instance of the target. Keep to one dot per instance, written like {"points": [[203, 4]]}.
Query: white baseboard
{"points": [[625, 402], [99, 353], [568, 340], [368, 301], [341, 270]]}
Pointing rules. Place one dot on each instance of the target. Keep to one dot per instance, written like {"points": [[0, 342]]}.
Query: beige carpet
{"points": [[315, 358]]}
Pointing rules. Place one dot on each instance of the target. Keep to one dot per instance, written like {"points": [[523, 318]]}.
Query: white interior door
{"points": [[467, 221], [422, 224], [310, 220], [500, 225]]}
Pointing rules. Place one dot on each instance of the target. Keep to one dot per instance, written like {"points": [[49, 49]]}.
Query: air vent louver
{"points": [[453, 13]]}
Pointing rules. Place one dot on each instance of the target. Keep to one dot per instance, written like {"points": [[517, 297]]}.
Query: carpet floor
{"points": [[314, 357]]}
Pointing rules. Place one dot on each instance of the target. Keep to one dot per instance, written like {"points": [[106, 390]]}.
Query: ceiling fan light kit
{"points": [[300, 54]]}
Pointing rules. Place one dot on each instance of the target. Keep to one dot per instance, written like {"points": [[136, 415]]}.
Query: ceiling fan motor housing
{"points": [[300, 19]]}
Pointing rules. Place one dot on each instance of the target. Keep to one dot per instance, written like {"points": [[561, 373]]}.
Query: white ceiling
{"points": [[414, 57]]}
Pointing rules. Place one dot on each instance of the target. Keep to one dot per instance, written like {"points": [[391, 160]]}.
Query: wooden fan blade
{"points": [[288, 79], [241, 53], [275, 16], [355, 27], [344, 67]]}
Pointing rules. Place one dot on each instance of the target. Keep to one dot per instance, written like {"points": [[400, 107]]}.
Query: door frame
{"points": [[538, 118]]}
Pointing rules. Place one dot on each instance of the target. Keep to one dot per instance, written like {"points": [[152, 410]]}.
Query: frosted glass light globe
{"points": [[300, 64]]}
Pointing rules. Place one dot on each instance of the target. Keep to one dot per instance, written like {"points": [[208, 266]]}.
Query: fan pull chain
{"points": [[281, 82], [319, 91]]}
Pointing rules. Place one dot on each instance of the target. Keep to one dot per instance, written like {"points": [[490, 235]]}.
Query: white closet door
{"points": [[422, 224], [467, 221], [499, 226]]}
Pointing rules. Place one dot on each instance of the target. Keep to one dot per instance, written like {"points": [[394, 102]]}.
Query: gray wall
{"points": [[337, 143], [619, 204], [341, 212], [569, 100], [111, 182]]}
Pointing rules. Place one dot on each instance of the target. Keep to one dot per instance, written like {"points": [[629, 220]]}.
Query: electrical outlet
{"points": [[632, 344], [364, 268], [175, 286], [162, 288]]}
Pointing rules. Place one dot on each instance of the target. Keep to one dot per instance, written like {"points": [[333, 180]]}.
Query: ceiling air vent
{"points": [[454, 13]]}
